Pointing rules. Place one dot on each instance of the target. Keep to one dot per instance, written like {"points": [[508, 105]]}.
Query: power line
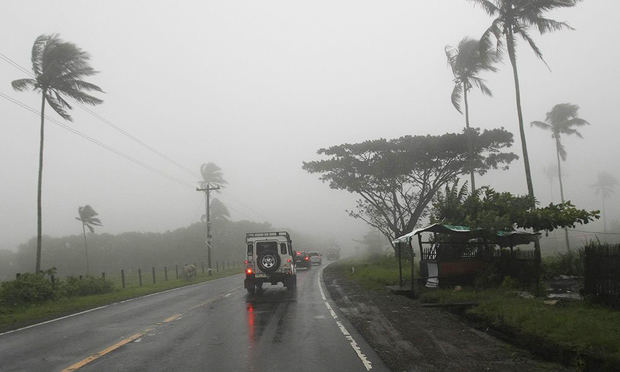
{"points": [[108, 122], [95, 141]]}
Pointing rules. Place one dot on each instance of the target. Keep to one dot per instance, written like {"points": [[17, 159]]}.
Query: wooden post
{"points": [[166, 273], [176, 269], [123, 278], [400, 266], [153, 269], [140, 277], [412, 267]]}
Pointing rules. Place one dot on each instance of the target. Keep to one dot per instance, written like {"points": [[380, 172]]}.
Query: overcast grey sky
{"points": [[258, 86]]}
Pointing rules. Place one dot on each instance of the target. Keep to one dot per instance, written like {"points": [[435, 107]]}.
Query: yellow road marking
{"points": [[174, 317], [105, 351]]}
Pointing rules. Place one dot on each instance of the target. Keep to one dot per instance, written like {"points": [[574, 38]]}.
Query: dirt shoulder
{"points": [[410, 337]]}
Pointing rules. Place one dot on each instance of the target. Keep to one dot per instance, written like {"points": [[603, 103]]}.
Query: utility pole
{"points": [[207, 190]]}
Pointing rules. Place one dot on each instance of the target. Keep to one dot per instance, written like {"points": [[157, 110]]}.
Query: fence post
{"points": [[176, 268], [166, 273], [153, 274], [123, 277], [140, 277]]}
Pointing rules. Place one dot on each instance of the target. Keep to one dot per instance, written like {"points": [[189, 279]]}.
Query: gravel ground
{"points": [[409, 337]]}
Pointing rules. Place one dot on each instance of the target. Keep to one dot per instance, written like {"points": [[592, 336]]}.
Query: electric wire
{"points": [[108, 122], [95, 141]]}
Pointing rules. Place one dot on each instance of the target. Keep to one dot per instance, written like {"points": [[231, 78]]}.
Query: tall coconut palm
{"points": [[513, 18], [88, 217], [562, 119], [605, 185], [58, 69], [467, 61]]}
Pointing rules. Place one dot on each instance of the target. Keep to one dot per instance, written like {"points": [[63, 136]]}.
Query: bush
{"points": [[568, 263], [86, 286], [28, 288]]}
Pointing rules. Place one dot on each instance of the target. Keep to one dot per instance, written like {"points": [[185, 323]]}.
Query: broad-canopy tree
{"points": [[562, 119], [396, 179], [512, 19], [58, 68], [88, 217], [502, 211], [604, 187], [467, 62]]}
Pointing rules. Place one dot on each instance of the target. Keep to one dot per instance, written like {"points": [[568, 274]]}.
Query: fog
{"points": [[257, 87]]}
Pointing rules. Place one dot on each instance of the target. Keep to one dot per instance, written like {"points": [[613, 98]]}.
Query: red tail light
{"points": [[289, 260], [249, 271], [307, 258]]}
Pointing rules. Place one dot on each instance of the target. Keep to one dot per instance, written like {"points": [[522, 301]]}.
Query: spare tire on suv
{"points": [[269, 261]]}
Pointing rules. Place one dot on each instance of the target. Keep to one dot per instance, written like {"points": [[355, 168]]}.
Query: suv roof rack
{"points": [[267, 234]]}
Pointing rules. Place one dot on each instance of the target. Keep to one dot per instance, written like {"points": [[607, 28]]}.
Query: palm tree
{"points": [[87, 216], [550, 173], [211, 175], [466, 62], [58, 68], [561, 120], [604, 187], [512, 18]]}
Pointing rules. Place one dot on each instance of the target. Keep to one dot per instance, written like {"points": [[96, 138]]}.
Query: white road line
{"points": [[347, 335], [104, 306]]}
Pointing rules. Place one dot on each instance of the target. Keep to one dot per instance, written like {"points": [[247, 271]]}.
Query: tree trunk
{"points": [[604, 216], [40, 184], [85, 247], [526, 160], [469, 145], [557, 153]]}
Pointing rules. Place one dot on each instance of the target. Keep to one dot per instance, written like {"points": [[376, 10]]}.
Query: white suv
{"points": [[269, 260]]}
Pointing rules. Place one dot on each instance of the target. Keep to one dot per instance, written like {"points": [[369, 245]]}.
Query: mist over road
{"points": [[212, 326]]}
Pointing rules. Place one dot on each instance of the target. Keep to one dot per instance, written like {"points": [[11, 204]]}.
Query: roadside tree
{"points": [[397, 179], [58, 68], [513, 18], [88, 217]]}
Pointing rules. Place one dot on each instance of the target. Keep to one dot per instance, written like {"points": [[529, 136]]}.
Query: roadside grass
{"points": [[572, 332], [375, 272], [12, 317]]}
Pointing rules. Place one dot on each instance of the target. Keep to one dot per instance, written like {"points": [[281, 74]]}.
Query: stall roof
{"points": [[504, 238]]}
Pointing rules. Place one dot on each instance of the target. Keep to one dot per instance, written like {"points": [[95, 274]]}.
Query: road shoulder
{"points": [[409, 337]]}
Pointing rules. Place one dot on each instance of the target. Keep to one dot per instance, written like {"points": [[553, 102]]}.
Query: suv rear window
{"points": [[264, 247]]}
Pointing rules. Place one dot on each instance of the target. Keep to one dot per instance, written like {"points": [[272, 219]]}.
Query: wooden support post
{"points": [[140, 277], [166, 273], [123, 278], [176, 268], [153, 270]]}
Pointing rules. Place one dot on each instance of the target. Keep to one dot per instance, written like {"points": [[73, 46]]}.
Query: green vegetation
{"points": [[571, 332], [375, 272], [50, 304]]}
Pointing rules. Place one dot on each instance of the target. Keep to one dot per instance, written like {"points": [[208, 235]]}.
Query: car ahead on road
{"points": [[302, 259], [269, 260], [315, 258]]}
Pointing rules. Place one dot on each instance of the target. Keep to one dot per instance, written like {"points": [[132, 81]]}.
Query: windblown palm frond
{"points": [[87, 216], [59, 68], [212, 174], [561, 120], [605, 185], [467, 62]]}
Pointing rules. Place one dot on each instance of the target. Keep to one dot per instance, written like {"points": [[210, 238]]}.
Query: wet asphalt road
{"points": [[213, 326]]}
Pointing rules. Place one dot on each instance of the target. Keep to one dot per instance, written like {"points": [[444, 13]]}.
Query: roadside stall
{"points": [[456, 254]]}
